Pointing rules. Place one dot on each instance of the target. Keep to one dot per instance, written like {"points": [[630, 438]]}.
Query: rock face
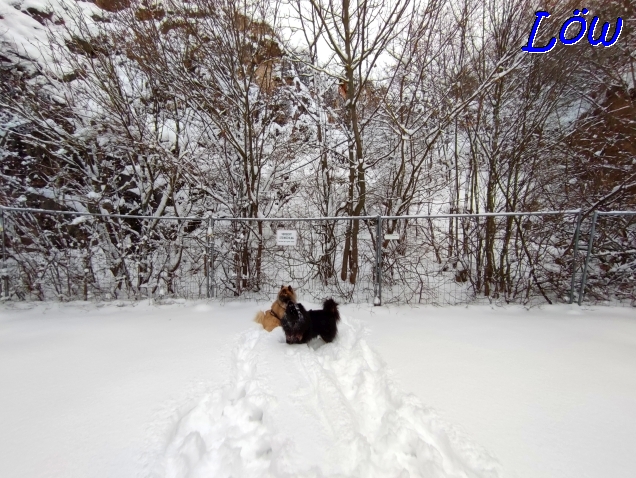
{"points": [[39, 15], [112, 5], [147, 14], [605, 145]]}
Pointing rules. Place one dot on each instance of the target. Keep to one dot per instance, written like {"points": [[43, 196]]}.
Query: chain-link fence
{"points": [[609, 271], [455, 259], [250, 260], [67, 256], [525, 258]]}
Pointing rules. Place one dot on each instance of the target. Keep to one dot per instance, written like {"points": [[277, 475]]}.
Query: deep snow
{"points": [[551, 392], [319, 410], [147, 390]]}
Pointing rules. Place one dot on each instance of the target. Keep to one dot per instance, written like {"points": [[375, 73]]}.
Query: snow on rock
{"points": [[19, 31], [316, 410], [25, 25]]}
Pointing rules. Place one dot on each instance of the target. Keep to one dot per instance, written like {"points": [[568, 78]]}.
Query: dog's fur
{"points": [[270, 319], [301, 326]]}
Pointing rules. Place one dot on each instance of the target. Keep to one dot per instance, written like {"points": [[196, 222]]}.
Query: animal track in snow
{"points": [[316, 410]]}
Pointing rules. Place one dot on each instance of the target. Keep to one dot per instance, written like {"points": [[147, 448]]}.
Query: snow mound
{"points": [[312, 411]]}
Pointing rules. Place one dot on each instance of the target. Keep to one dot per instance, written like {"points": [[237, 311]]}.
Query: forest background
{"points": [[310, 108]]}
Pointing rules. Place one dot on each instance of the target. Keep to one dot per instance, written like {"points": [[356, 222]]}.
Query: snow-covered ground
{"points": [[197, 389]]}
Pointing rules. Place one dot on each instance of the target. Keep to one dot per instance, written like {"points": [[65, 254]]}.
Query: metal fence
{"points": [[609, 271], [525, 258]]}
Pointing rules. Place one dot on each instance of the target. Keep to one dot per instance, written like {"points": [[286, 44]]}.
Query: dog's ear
{"points": [[290, 288], [282, 287]]}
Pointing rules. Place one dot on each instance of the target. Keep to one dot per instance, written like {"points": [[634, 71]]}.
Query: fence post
{"points": [[377, 300], [576, 253], [587, 257], [4, 285]]}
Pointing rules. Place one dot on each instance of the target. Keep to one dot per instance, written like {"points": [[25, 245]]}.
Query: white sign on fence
{"points": [[285, 237], [395, 235]]}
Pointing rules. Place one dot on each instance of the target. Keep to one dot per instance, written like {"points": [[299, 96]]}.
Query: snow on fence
{"points": [[526, 258]]}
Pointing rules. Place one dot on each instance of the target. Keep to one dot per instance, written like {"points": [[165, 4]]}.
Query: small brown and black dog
{"points": [[302, 325], [270, 319]]}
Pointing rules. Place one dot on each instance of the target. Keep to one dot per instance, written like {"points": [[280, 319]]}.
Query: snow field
{"points": [[197, 389], [91, 392], [550, 391], [316, 410]]}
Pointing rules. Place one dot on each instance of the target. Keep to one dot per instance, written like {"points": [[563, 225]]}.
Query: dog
{"points": [[270, 319], [301, 326]]}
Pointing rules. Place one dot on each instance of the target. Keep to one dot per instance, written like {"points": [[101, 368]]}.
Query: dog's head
{"points": [[294, 323], [286, 294]]}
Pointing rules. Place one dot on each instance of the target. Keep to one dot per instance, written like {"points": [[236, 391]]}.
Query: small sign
{"points": [[393, 236], [285, 237]]}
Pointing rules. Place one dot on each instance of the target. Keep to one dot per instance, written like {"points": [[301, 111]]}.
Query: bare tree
{"points": [[356, 35]]}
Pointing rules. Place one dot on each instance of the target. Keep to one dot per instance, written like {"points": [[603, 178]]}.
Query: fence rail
{"points": [[510, 257], [610, 273]]}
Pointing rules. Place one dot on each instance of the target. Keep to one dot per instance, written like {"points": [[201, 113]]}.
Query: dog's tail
{"points": [[330, 306], [260, 317]]}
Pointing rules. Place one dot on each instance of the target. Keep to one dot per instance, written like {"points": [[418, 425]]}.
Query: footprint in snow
{"points": [[316, 410]]}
